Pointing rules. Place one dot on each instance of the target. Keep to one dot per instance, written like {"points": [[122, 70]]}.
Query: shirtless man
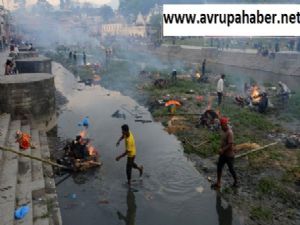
{"points": [[226, 153]]}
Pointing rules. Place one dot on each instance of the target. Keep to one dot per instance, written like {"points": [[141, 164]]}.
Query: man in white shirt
{"points": [[284, 93], [220, 88]]}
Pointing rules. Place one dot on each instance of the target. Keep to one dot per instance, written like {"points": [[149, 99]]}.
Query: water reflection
{"points": [[129, 219], [224, 213]]}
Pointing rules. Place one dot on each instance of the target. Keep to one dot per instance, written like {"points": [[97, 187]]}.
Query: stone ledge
{"points": [[25, 78]]}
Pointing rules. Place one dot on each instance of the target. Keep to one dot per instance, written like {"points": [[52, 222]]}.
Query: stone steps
{"points": [[26, 181], [8, 177], [4, 123], [51, 195], [37, 174], [24, 189], [40, 210]]}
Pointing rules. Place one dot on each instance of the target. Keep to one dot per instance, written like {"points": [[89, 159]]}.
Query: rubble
{"points": [[292, 141]]}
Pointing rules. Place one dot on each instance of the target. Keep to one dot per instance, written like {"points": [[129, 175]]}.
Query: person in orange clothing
{"points": [[24, 140]]}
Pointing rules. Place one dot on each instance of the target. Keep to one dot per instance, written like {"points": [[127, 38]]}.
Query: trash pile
{"points": [[293, 141]]}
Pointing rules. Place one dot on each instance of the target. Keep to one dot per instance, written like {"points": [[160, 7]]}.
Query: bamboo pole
{"points": [[255, 150], [195, 146], [182, 114], [33, 157]]}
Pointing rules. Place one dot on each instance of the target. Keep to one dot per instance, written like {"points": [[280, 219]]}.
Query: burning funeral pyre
{"points": [[80, 154], [255, 98]]}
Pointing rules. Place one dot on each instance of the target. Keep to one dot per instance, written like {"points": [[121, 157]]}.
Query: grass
{"points": [[271, 187], [266, 186], [293, 174], [261, 213], [294, 105], [248, 126]]}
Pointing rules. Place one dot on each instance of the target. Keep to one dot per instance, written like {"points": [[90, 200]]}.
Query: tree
{"points": [[106, 12], [155, 31], [128, 7]]}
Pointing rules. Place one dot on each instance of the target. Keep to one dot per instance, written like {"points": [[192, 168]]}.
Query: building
{"points": [[4, 27], [120, 28]]}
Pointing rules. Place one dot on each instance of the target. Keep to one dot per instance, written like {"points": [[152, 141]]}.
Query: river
{"points": [[171, 190]]}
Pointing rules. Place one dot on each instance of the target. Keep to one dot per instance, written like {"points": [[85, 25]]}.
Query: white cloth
{"points": [[285, 88], [220, 86]]}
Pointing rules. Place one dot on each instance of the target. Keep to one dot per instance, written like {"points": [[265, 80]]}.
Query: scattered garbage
{"points": [[73, 196], [21, 212], [85, 122], [200, 189], [191, 91], [148, 196], [292, 141], [199, 98], [104, 201], [118, 114], [209, 179], [160, 101], [144, 121]]}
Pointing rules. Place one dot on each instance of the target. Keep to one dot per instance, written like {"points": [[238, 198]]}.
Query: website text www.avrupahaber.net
{"points": [[237, 19], [241, 18]]}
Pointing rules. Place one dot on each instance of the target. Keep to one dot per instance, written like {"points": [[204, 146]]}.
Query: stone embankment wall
{"points": [[29, 97], [285, 63], [285, 66], [34, 65]]}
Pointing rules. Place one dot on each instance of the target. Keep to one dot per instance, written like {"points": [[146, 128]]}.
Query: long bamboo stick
{"points": [[33, 157], [182, 114], [255, 150], [195, 146]]}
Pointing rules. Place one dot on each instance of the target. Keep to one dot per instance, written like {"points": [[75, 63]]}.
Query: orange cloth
{"points": [[24, 141]]}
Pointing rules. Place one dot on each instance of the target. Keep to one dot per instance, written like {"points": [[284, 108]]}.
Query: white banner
{"points": [[231, 20]]}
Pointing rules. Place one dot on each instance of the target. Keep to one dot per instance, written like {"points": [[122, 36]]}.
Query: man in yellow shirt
{"points": [[130, 151]]}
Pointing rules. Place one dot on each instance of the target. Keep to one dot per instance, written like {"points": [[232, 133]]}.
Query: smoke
{"points": [[47, 29]]}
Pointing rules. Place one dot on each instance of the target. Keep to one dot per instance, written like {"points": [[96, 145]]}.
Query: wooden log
{"points": [[33, 157], [255, 150]]}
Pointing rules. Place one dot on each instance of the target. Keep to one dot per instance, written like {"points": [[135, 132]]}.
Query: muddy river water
{"points": [[171, 190]]}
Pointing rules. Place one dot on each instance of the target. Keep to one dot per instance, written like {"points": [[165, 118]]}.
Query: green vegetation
{"points": [[294, 105], [266, 186], [261, 213], [271, 187]]}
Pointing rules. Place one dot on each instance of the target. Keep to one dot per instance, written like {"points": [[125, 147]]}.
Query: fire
{"points": [[92, 151], [83, 133], [255, 94]]}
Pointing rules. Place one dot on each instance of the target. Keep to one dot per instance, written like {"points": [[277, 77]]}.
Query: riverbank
{"points": [[269, 179]]}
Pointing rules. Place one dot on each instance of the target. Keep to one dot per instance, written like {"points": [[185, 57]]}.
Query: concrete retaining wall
{"points": [[34, 65], [29, 97], [285, 63], [285, 66]]}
